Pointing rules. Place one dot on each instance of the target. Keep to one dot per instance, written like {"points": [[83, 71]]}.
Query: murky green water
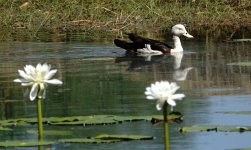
{"points": [[100, 79]]}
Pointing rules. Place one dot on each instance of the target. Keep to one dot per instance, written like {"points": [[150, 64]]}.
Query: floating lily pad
{"points": [[215, 128], [240, 64], [87, 140], [123, 137], [172, 117], [84, 120], [24, 143], [105, 138], [5, 129]]}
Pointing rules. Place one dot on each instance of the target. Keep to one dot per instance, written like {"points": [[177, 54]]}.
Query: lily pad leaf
{"points": [[85, 120], [5, 129], [215, 128], [123, 137], [172, 117], [198, 128], [105, 138], [24, 143], [87, 140]]}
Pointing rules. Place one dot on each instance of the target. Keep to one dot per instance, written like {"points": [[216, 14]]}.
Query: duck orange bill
{"points": [[188, 35]]}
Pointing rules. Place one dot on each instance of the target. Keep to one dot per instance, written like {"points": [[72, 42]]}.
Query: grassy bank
{"points": [[28, 19]]}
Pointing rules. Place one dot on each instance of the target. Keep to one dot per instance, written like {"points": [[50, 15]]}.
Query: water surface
{"points": [[100, 78]]}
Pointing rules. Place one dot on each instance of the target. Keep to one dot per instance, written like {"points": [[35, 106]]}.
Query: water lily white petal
{"points": [[34, 91], [29, 69], [150, 97], [159, 104], [26, 83], [39, 67], [45, 66], [171, 102], [24, 75], [50, 74], [163, 91], [54, 81], [41, 94], [178, 96], [20, 80], [148, 93], [38, 77], [41, 86]]}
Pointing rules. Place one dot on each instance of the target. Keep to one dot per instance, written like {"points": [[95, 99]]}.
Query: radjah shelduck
{"points": [[141, 44]]}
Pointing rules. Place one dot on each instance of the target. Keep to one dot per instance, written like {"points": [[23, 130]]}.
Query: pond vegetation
{"points": [[32, 20], [99, 79]]}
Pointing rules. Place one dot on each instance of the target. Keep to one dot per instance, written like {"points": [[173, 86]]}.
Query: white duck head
{"points": [[177, 31]]}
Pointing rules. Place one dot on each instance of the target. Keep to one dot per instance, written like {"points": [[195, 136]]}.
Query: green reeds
{"points": [[114, 16]]}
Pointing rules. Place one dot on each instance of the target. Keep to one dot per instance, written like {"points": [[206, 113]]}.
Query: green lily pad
{"points": [[24, 143], [105, 138], [215, 128], [84, 120], [4, 129], [240, 64], [123, 137], [172, 117], [87, 140]]}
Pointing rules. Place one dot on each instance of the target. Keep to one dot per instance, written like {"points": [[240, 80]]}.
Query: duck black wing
{"points": [[128, 46], [155, 45], [138, 42]]}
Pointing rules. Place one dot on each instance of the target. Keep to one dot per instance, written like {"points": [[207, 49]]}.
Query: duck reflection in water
{"points": [[179, 74], [137, 61]]}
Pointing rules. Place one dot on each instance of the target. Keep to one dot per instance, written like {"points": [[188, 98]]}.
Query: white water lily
{"points": [[38, 77], [163, 91]]}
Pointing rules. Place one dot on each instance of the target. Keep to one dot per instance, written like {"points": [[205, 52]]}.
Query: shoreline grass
{"points": [[100, 19]]}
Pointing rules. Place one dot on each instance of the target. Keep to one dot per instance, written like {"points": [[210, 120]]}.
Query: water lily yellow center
{"points": [[39, 79]]}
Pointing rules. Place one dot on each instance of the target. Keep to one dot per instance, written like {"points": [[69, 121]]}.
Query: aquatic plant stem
{"points": [[166, 129], [40, 121]]}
